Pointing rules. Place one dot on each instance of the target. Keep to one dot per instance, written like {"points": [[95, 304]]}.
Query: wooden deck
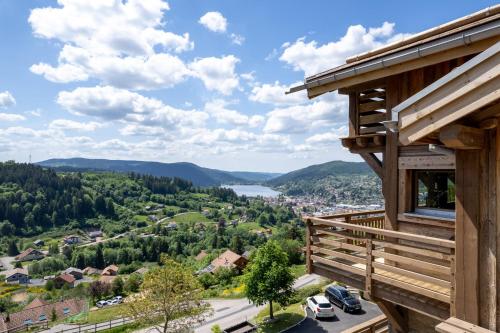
{"points": [[406, 269]]}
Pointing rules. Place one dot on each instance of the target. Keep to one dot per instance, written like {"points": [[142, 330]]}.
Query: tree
{"points": [[53, 315], [99, 257], [12, 249], [269, 277], [133, 283], [53, 248], [117, 286], [79, 260], [171, 292], [96, 289], [237, 244]]}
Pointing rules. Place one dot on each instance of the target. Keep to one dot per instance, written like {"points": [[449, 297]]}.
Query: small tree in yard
{"points": [[269, 278], [173, 295]]}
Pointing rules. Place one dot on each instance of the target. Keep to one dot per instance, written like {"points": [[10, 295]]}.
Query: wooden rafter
{"points": [[398, 321]]}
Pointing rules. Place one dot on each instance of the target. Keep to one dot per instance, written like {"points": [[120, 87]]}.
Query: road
{"points": [[341, 322]]}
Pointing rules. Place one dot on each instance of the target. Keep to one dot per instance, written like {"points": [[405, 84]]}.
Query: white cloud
{"points": [[324, 112], [214, 21], [111, 103], [6, 99], [120, 43], [218, 110], [312, 58], [11, 117], [328, 137], [237, 39], [217, 73], [275, 94], [71, 125]]}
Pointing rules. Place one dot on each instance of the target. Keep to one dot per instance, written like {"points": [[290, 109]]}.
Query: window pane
{"points": [[435, 189]]}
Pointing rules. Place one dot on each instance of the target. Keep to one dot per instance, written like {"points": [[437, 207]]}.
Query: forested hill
{"points": [[341, 182], [34, 199], [199, 176]]}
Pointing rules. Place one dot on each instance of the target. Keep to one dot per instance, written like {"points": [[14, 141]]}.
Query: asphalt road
{"points": [[340, 322]]}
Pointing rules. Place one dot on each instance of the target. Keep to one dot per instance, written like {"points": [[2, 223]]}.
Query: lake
{"points": [[253, 190]]}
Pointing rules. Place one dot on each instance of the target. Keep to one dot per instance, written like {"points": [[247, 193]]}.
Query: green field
{"points": [[190, 217], [284, 318]]}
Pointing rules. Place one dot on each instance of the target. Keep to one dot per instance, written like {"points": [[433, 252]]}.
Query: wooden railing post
{"points": [[453, 284], [369, 265], [308, 247]]}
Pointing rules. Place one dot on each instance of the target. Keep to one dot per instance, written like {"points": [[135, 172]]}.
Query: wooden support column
{"points": [[487, 235], [467, 235], [390, 180], [353, 113], [398, 321], [374, 163], [308, 247]]}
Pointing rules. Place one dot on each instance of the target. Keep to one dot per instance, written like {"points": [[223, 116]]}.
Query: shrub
{"points": [[301, 294]]}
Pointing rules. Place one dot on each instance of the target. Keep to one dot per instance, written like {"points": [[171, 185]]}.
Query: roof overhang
{"points": [[465, 90], [471, 34]]}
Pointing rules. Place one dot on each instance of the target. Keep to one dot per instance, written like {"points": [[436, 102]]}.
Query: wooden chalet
{"points": [[424, 114]]}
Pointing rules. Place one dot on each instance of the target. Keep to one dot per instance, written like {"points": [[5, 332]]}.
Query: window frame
{"points": [[449, 214]]}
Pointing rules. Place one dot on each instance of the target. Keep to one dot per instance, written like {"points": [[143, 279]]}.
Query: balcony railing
{"points": [[357, 250]]}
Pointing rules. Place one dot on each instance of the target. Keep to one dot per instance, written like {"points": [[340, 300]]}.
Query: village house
{"points": [[111, 270], [95, 234], [64, 279], [30, 254], [39, 312], [108, 279], [91, 271], [424, 115], [39, 243], [77, 273], [229, 259], [16, 275], [71, 239], [141, 271]]}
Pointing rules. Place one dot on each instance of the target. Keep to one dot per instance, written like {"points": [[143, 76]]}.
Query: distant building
{"points": [[64, 279], [107, 279], [94, 234], [39, 243], [111, 270], [17, 275], [92, 271], [77, 273], [72, 239], [172, 226], [30, 254], [229, 259], [40, 311], [153, 218], [142, 271]]}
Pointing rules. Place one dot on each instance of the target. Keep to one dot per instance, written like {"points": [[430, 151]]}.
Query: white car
{"points": [[119, 299], [112, 302], [320, 307], [101, 304]]}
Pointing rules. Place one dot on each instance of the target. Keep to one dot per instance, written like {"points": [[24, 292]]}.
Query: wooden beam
{"points": [[362, 141], [374, 163], [462, 137], [397, 320], [489, 123], [426, 162]]}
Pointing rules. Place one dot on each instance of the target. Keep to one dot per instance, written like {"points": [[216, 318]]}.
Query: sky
{"points": [[201, 81]]}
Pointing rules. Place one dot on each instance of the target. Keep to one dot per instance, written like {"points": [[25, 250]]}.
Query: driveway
{"points": [[6, 263], [341, 322]]}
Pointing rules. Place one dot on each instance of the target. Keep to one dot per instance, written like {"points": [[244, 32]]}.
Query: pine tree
{"points": [[12, 249], [99, 257]]}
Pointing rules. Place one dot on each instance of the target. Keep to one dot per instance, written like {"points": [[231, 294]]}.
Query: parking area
{"points": [[340, 322]]}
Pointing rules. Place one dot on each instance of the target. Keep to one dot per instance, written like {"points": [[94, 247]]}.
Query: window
{"points": [[434, 192], [42, 317], [28, 322], [66, 311]]}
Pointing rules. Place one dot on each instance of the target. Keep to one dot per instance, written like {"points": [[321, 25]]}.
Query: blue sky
{"points": [[186, 80]]}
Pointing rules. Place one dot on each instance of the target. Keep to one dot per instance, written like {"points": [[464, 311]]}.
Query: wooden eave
{"points": [[394, 57], [466, 90]]}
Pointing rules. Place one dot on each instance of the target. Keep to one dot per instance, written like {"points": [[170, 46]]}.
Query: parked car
{"points": [[341, 297], [101, 303], [112, 301], [320, 306], [119, 299]]}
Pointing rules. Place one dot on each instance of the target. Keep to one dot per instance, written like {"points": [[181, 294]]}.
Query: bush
{"points": [[301, 294]]}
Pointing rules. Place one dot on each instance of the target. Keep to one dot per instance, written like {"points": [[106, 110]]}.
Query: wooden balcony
{"points": [[410, 270]]}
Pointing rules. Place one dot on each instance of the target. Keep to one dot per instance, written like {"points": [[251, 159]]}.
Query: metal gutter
{"points": [[488, 30]]}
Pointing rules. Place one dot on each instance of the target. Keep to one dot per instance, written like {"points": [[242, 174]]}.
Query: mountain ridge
{"points": [[198, 175]]}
